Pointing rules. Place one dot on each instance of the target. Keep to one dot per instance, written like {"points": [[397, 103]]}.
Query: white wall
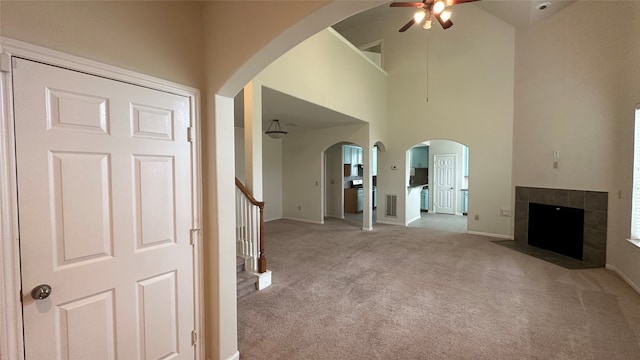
{"points": [[329, 71], [470, 91], [413, 204], [271, 172], [303, 168], [160, 39], [238, 137], [577, 84], [272, 177]]}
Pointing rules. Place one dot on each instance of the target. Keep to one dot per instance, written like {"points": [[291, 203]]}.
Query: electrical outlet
{"points": [[476, 217], [505, 212], [299, 207]]}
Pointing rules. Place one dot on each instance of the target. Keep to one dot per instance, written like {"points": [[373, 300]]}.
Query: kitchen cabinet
{"points": [[346, 153], [465, 161], [356, 154], [465, 202], [347, 170], [353, 200], [374, 161], [420, 157], [352, 155], [424, 199]]}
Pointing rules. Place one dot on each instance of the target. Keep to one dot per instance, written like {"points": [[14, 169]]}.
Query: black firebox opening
{"points": [[556, 228]]}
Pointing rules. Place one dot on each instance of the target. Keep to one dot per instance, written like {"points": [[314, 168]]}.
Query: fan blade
{"points": [[445, 24], [407, 25], [456, 2], [406, 4]]}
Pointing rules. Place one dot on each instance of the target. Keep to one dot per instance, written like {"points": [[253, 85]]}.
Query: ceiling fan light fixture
{"points": [[446, 15], [275, 131], [419, 16], [427, 24], [445, 24], [438, 7]]}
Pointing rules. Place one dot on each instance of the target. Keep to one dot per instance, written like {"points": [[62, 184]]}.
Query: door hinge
{"points": [[5, 63], [190, 134], [194, 236], [194, 337]]}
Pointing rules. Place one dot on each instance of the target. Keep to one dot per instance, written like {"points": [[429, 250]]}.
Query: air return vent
{"points": [[391, 206]]}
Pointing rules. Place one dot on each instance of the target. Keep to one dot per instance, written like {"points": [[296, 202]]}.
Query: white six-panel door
{"points": [[444, 183], [105, 210]]}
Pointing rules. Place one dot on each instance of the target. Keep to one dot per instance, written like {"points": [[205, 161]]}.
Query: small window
{"points": [[635, 206]]}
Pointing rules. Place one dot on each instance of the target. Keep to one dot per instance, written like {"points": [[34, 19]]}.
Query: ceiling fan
{"points": [[426, 9]]}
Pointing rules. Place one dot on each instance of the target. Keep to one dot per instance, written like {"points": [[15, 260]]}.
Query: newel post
{"points": [[262, 261]]}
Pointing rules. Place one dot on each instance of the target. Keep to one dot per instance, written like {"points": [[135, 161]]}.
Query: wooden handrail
{"points": [[262, 260], [246, 193]]}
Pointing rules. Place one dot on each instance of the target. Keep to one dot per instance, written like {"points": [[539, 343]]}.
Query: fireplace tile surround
{"points": [[594, 203]]}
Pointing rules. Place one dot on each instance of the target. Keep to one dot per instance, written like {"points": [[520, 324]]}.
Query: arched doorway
{"points": [[344, 182], [221, 307], [438, 176]]}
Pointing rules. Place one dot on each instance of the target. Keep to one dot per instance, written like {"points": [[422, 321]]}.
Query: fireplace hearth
{"points": [[568, 222]]}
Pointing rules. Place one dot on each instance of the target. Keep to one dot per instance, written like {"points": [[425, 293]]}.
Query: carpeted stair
{"points": [[246, 283]]}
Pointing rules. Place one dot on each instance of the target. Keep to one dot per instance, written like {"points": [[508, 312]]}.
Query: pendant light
{"points": [[274, 130]]}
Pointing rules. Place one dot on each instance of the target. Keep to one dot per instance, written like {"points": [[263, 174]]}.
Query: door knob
{"points": [[41, 292]]}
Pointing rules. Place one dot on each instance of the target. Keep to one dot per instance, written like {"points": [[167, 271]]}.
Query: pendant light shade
{"points": [[274, 130]]}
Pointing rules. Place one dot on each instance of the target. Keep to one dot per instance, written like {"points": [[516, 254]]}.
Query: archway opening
{"points": [[437, 196]]}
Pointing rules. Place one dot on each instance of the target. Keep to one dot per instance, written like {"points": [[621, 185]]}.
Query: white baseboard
{"points": [[499, 236], [367, 229], [624, 277], [304, 220]]}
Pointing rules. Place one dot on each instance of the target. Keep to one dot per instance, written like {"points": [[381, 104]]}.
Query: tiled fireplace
{"points": [[594, 204]]}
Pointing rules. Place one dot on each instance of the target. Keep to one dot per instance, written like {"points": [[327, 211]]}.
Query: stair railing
{"points": [[250, 229]]}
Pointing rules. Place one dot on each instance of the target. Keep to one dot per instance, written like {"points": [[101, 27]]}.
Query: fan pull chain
{"points": [[427, 70]]}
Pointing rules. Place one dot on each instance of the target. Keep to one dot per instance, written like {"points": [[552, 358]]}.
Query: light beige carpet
{"points": [[411, 293]]}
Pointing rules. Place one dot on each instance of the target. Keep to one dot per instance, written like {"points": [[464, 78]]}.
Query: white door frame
{"points": [[11, 337]]}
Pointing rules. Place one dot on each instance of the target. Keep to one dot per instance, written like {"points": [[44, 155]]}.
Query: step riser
{"points": [[240, 264], [245, 283], [246, 290]]}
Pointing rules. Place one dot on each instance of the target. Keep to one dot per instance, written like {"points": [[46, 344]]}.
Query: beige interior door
{"points": [[444, 175], [105, 212]]}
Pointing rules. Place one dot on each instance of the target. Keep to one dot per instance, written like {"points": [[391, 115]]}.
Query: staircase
{"points": [[246, 283], [250, 229]]}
